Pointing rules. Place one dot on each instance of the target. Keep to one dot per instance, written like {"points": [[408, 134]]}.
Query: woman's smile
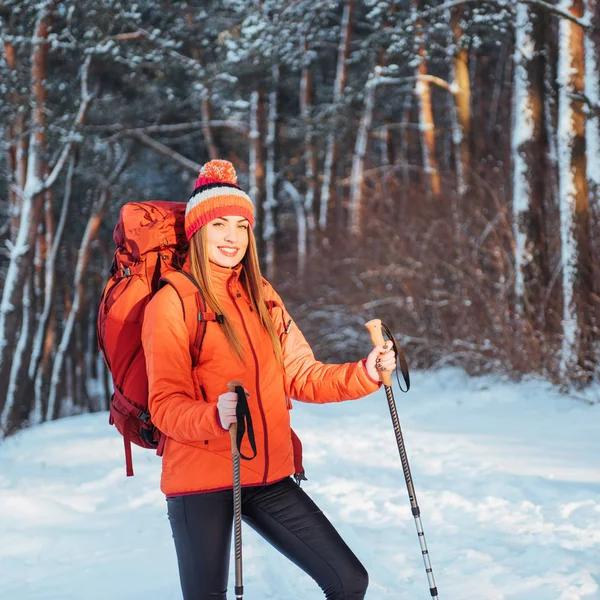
{"points": [[228, 251]]}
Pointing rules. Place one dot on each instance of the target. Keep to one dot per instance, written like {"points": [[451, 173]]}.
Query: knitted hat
{"points": [[216, 194]]}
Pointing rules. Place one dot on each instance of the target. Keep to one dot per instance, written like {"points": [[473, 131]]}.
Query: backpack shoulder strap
{"points": [[194, 308]]}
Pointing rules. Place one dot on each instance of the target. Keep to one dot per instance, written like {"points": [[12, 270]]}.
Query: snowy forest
{"points": [[432, 163]]}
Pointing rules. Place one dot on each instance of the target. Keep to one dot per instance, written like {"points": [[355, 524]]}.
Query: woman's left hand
{"points": [[381, 358]]}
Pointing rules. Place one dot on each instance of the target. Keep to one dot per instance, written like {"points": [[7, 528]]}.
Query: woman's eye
{"points": [[243, 226]]}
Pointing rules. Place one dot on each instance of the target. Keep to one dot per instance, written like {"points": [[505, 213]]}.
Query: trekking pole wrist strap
{"points": [[244, 423], [243, 420]]}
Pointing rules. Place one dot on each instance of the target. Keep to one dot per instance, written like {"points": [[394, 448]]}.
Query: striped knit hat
{"points": [[216, 194]]}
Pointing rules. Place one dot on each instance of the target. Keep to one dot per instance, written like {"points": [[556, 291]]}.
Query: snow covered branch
{"points": [[557, 10], [86, 100], [553, 8], [120, 131], [167, 46], [161, 148]]}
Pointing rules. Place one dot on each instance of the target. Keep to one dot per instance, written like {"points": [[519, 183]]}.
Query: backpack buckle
{"points": [[204, 317], [126, 271], [145, 417]]}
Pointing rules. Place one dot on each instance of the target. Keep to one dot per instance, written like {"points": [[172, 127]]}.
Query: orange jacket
{"points": [[183, 401]]}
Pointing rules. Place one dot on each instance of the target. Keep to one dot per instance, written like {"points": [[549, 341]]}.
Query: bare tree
{"points": [[577, 350], [310, 154], [592, 93], [461, 91], [256, 166], [270, 203], [301, 219], [529, 164], [331, 152], [360, 151], [423, 93]]}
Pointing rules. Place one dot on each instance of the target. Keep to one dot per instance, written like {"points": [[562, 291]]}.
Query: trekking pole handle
{"points": [[233, 427], [374, 327]]}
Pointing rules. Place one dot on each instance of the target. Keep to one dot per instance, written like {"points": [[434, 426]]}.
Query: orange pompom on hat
{"points": [[216, 194]]}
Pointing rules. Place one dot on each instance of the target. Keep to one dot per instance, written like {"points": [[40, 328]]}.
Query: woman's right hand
{"points": [[226, 405]]}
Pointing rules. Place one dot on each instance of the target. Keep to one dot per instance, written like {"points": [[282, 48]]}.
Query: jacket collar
{"points": [[222, 275], [219, 275]]}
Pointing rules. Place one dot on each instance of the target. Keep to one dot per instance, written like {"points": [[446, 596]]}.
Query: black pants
{"points": [[282, 514]]}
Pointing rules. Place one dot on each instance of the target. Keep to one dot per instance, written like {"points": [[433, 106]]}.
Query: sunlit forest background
{"points": [[432, 163]]}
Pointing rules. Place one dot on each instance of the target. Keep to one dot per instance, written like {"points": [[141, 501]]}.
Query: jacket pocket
{"points": [[219, 445]]}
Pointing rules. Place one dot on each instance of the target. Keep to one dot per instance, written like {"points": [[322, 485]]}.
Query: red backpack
{"points": [[151, 250]]}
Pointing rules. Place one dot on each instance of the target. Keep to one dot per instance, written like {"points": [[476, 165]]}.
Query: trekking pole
{"points": [[374, 326], [236, 386]]}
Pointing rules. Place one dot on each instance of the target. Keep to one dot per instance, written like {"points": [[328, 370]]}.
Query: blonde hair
{"points": [[252, 281]]}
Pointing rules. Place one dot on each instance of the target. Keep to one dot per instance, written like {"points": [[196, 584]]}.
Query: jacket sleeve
{"points": [[172, 398], [308, 379]]}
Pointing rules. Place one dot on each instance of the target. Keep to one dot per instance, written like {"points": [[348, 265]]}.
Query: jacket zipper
{"points": [[260, 405], [200, 331]]}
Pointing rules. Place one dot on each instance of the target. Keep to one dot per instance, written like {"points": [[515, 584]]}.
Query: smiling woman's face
{"points": [[227, 240]]}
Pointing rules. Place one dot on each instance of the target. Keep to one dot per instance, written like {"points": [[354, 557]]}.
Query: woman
{"points": [[258, 344]]}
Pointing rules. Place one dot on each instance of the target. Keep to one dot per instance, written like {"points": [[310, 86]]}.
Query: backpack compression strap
{"points": [[194, 307]]}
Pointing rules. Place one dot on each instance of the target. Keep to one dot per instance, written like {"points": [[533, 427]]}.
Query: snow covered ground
{"points": [[507, 476]]}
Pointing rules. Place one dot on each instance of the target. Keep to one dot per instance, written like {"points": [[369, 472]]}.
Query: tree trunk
{"points": [[310, 155], [532, 274], [80, 373], [13, 413], [41, 378], [592, 92], [426, 121], [405, 141], [461, 87], [388, 157], [17, 163], [577, 349], [389, 152], [270, 204], [50, 272], [301, 219], [331, 153], [16, 137], [67, 392], [256, 169], [550, 113], [358, 160], [92, 373]]}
